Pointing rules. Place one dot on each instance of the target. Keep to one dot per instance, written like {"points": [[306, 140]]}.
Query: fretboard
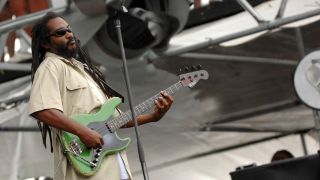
{"points": [[125, 117]]}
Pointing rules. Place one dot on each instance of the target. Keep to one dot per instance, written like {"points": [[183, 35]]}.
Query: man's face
{"points": [[61, 39]]}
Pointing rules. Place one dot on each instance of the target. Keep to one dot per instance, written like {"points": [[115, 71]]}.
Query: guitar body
{"points": [[87, 161]]}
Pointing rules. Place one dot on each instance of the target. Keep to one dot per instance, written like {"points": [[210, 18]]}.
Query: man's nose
{"points": [[69, 35]]}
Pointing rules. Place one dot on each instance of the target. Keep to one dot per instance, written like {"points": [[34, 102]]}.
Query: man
{"points": [[63, 87]]}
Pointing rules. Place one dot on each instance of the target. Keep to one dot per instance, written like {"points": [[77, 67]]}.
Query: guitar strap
{"points": [[115, 93], [109, 88]]}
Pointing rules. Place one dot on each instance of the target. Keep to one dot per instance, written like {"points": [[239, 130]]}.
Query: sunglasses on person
{"points": [[60, 32]]}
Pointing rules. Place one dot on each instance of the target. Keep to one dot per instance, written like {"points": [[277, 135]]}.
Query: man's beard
{"points": [[66, 51]]}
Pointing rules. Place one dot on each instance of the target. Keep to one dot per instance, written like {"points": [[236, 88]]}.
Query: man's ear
{"points": [[45, 45]]}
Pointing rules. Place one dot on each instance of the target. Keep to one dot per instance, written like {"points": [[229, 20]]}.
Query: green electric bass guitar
{"points": [[87, 161]]}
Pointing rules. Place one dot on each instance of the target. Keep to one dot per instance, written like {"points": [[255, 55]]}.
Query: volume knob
{"points": [[96, 160], [97, 155], [98, 150]]}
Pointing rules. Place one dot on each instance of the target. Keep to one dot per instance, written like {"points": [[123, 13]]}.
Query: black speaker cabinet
{"points": [[302, 168]]}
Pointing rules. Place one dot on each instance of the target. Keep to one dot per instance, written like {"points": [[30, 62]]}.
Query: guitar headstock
{"points": [[192, 76]]}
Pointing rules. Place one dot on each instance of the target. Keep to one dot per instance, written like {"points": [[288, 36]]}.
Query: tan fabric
{"points": [[61, 84]]}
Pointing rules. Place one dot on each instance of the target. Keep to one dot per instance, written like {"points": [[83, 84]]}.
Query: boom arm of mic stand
{"points": [[126, 76]]}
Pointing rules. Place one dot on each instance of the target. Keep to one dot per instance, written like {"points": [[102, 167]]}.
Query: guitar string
{"points": [[115, 120], [143, 107]]}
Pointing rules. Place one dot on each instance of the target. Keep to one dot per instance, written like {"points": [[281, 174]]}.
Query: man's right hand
{"points": [[57, 119], [91, 138]]}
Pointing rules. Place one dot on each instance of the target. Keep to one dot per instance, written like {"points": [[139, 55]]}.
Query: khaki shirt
{"points": [[61, 84]]}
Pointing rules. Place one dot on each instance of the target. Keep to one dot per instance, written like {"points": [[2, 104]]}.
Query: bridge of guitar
{"points": [[77, 150], [75, 147]]}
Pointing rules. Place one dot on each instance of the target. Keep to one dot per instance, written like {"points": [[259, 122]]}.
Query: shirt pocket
{"points": [[77, 95], [73, 85]]}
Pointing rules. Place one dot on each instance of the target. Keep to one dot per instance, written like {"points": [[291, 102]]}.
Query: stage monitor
{"points": [[302, 168]]}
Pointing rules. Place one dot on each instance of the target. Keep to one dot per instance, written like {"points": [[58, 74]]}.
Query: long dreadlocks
{"points": [[40, 32]]}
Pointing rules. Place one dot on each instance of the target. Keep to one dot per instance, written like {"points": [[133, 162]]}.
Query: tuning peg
{"points": [[199, 66], [186, 69], [180, 70]]}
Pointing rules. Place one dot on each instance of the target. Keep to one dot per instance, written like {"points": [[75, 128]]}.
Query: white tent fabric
{"points": [[243, 21]]}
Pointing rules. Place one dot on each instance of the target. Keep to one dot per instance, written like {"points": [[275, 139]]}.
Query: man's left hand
{"points": [[163, 104]]}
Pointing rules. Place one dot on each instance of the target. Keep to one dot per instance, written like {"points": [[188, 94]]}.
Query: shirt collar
{"points": [[72, 61]]}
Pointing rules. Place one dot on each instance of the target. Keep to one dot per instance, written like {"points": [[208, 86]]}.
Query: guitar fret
{"points": [[137, 110], [122, 119], [144, 107], [140, 110], [113, 125], [110, 126], [125, 119], [118, 125], [149, 104], [127, 115], [176, 86]]}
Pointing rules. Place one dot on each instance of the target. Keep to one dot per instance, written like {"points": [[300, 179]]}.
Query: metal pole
{"points": [[245, 5], [240, 115], [261, 27], [300, 43], [21, 21], [304, 146], [133, 113], [316, 115], [24, 36], [281, 9], [224, 58], [15, 67]]}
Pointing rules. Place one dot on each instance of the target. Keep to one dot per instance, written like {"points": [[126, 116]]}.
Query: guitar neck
{"points": [[125, 117]]}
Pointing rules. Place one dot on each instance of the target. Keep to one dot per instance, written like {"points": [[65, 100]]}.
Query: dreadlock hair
{"points": [[40, 33]]}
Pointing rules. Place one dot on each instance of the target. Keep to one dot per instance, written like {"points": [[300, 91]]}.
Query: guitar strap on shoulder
{"points": [[108, 87], [113, 92]]}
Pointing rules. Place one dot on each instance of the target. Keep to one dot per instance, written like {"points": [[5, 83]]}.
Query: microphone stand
{"points": [[128, 86]]}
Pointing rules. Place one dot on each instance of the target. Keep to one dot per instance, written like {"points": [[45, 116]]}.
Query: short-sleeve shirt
{"points": [[61, 84]]}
